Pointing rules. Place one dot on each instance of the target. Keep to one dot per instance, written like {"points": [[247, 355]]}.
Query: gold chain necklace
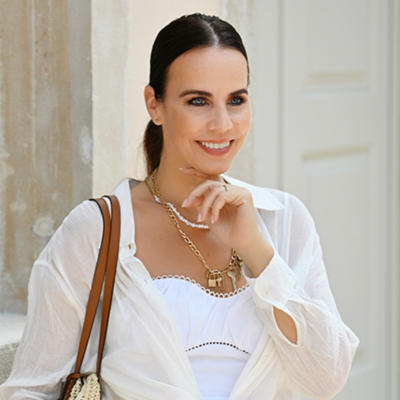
{"points": [[214, 276]]}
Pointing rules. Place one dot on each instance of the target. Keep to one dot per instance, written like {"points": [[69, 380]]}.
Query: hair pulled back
{"points": [[181, 35]]}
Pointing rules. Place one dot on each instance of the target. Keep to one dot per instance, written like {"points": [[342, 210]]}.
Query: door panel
{"points": [[333, 150]]}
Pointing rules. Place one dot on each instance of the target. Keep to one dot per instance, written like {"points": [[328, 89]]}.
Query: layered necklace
{"points": [[215, 277]]}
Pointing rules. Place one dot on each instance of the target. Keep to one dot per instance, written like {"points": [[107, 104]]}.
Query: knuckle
{"points": [[247, 193]]}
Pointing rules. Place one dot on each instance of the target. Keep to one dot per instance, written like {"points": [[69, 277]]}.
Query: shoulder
{"points": [[81, 231], [72, 250], [69, 258], [84, 221]]}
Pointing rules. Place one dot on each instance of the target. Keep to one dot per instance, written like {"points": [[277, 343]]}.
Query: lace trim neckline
{"points": [[208, 291], [219, 344]]}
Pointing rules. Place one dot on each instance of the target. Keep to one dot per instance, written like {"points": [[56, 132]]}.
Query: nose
{"points": [[220, 120]]}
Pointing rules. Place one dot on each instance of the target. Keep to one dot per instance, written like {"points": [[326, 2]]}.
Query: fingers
{"points": [[208, 209], [222, 200], [210, 197], [199, 191]]}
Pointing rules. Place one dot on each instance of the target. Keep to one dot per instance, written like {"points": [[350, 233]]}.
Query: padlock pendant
{"points": [[211, 280]]}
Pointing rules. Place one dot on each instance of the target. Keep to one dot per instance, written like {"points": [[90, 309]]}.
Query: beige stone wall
{"points": [[35, 135], [80, 99], [42, 174]]}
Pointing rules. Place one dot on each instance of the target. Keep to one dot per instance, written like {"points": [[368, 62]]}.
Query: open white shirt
{"points": [[144, 355]]}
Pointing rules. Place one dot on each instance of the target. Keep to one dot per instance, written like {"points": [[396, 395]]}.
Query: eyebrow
{"points": [[208, 94]]}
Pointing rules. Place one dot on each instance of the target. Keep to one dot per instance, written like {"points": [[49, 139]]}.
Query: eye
{"points": [[237, 101], [198, 101]]}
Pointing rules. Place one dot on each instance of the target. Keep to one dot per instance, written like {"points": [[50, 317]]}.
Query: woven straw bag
{"points": [[87, 386], [88, 390]]}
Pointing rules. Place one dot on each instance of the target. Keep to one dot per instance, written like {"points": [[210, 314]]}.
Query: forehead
{"points": [[208, 68]]}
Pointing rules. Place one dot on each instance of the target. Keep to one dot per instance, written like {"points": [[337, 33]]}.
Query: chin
{"points": [[214, 170]]}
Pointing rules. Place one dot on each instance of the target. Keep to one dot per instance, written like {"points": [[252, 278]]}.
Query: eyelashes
{"points": [[197, 101], [238, 100], [201, 101]]}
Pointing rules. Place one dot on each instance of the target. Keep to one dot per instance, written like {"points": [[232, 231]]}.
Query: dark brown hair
{"points": [[181, 35]]}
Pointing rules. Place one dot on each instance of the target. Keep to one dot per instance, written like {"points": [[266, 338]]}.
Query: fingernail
{"points": [[184, 202], [199, 217], [212, 219]]}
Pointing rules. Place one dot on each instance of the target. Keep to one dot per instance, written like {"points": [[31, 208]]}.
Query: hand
{"points": [[232, 218], [229, 213]]}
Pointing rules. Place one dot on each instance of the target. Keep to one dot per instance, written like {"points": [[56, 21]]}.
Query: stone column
{"points": [[35, 133]]}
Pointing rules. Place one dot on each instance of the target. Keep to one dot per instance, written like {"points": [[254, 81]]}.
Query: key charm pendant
{"points": [[232, 275], [219, 280], [238, 264]]}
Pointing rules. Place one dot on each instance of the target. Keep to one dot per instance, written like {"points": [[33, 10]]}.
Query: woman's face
{"points": [[205, 113]]}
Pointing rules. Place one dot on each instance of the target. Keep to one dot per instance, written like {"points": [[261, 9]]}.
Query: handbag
{"points": [[80, 386]]}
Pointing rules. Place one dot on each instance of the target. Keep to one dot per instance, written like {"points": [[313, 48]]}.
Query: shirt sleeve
{"points": [[58, 291], [295, 281]]}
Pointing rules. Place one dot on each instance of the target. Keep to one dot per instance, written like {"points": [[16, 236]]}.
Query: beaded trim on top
{"points": [[219, 344], [208, 291]]}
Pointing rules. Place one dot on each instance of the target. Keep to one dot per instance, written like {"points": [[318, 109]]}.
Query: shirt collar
{"points": [[263, 198], [123, 194]]}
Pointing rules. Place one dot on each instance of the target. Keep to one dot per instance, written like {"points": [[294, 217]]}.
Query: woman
{"points": [[241, 307]]}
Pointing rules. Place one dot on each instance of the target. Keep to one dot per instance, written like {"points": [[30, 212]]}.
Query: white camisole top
{"points": [[219, 331]]}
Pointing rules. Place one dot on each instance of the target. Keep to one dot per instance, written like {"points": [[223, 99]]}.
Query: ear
{"points": [[153, 105]]}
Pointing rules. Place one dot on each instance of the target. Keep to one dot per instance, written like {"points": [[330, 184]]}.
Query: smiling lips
{"points": [[216, 148]]}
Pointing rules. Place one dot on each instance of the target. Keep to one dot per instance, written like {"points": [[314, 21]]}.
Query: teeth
{"points": [[216, 145]]}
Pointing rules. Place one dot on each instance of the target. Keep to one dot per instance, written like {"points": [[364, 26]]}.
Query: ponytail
{"points": [[152, 143]]}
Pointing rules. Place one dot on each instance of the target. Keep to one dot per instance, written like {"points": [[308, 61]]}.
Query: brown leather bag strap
{"points": [[112, 261], [97, 284], [109, 246]]}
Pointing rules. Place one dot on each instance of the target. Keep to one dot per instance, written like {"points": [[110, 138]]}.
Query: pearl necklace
{"points": [[181, 217]]}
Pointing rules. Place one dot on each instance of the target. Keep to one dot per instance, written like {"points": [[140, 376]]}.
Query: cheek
{"points": [[181, 126], [188, 123], [243, 120], [180, 117]]}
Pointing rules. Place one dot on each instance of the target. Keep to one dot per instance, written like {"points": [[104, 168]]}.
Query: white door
{"points": [[334, 149], [320, 97]]}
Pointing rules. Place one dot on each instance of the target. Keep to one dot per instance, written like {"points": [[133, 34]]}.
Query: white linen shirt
{"points": [[144, 357]]}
